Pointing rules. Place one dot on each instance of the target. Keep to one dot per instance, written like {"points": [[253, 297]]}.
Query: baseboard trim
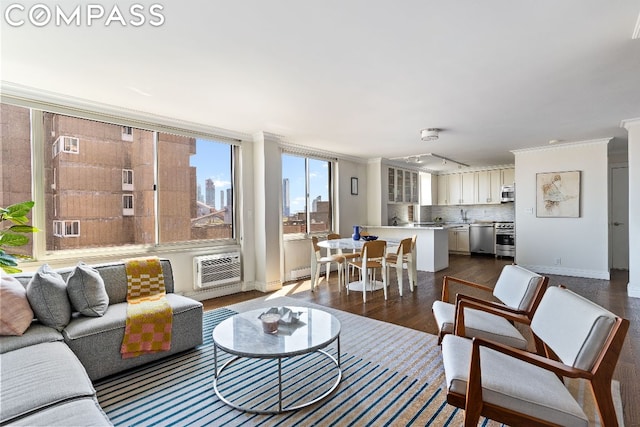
{"points": [[573, 272]]}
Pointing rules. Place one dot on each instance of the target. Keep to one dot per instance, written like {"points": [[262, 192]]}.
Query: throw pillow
{"points": [[86, 291], [15, 312], [47, 294]]}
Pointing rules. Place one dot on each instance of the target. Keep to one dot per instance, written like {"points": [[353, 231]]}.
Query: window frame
{"points": [[127, 180], [331, 162], [60, 228], [138, 121], [60, 145], [128, 206]]}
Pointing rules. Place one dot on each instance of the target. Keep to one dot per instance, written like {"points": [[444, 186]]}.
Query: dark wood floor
{"points": [[413, 310]]}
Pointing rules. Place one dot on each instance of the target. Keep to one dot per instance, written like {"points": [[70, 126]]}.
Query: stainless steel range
{"points": [[505, 238]]}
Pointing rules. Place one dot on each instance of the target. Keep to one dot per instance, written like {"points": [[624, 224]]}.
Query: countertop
{"points": [[430, 225], [409, 226]]}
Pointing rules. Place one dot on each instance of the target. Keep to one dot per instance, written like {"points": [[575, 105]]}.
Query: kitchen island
{"points": [[432, 244]]}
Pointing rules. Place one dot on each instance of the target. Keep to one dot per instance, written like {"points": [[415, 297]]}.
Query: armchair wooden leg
{"points": [[604, 401]]}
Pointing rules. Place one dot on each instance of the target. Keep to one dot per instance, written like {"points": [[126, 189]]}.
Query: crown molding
{"points": [[564, 145], [627, 123]]}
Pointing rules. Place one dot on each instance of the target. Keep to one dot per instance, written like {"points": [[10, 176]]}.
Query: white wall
{"points": [[633, 127], [582, 244], [352, 208]]}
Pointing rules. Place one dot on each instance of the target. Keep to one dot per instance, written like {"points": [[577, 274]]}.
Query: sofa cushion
{"points": [[15, 312], [39, 376], [84, 412], [36, 334], [47, 294], [572, 326], [479, 324], [97, 340], [86, 291], [511, 383], [516, 286]]}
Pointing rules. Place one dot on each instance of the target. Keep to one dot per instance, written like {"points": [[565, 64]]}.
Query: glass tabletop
{"points": [[242, 334]]}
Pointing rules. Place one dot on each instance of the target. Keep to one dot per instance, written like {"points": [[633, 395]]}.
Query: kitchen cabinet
{"points": [[469, 188], [428, 189], [459, 239], [508, 176], [462, 188], [403, 186], [443, 190], [488, 185]]}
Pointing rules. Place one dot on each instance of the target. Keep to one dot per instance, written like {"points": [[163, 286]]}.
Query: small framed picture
{"points": [[354, 185]]}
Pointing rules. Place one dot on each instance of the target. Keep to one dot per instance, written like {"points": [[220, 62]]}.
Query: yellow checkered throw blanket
{"points": [[149, 315]]}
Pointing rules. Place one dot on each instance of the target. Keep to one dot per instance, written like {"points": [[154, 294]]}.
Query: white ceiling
{"points": [[358, 77]]}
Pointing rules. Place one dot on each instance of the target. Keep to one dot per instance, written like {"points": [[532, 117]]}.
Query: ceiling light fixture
{"points": [[446, 160], [430, 134], [419, 158]]}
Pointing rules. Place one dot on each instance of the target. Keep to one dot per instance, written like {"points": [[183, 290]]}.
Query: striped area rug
{"points": [[391, 376]]}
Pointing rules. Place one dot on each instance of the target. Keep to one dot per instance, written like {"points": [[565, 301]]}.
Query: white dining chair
{"points": [[316, 263], [347, 256], [404, 256]]}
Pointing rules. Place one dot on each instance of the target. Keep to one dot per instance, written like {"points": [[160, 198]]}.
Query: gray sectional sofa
{"points": [[47, 373]]}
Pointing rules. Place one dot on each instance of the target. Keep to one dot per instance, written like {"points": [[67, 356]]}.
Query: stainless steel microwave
{"points": [[508, 193]]}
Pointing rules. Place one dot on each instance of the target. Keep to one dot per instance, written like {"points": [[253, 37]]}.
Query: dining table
{"points": [[348, 243]]}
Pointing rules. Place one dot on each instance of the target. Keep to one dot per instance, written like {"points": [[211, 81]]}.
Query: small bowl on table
{"points": [[369, 238]]}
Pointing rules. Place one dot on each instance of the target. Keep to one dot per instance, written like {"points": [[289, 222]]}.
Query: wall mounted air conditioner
{"points": [[210, 271]]}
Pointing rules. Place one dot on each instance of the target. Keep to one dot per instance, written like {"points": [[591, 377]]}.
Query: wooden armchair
{"points": [[519, 292], [580, 340]]}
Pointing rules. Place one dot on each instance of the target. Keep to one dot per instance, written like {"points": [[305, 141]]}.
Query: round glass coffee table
{"points": [[242, 336]]}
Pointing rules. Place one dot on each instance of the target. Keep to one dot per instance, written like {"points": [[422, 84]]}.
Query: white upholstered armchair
{"points": [[580, 340]]}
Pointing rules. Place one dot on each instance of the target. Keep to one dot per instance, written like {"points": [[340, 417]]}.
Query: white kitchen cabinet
{"points": [[403, 186], [488, 185], [415, 187], [428, 189], [459, 239], [391, 185], [461, 188], [443, 190], [508, 176]]}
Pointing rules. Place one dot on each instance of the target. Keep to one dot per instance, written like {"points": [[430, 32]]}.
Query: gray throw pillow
{"points": [[47, 294], [86, 291]]}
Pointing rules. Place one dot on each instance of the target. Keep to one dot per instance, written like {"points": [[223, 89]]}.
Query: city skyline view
{"points": [[212, 161], [293, 168]]}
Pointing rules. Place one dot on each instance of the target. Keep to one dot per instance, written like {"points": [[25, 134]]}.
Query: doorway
{"points": [[619, 217]]}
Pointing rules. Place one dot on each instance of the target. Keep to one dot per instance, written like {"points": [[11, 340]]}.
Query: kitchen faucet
{"points": [[463, 216]]}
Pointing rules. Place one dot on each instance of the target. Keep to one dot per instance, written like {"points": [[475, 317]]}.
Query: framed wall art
{"points": [[558, 194], [354, 185]]}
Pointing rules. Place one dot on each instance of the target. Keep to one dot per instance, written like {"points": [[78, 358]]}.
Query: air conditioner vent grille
{"points": [[216, 270]]}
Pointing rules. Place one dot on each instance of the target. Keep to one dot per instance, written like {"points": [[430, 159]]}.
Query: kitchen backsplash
{"points": [[502, 212]]}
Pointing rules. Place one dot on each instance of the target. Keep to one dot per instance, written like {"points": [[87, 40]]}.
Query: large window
{"points": [[306, 194], [94, 186]]}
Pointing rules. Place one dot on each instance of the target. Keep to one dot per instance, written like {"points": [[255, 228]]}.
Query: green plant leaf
{"points": [[23, 229], [12, 239], [7, 260], [10, 270], [20, 209]]}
